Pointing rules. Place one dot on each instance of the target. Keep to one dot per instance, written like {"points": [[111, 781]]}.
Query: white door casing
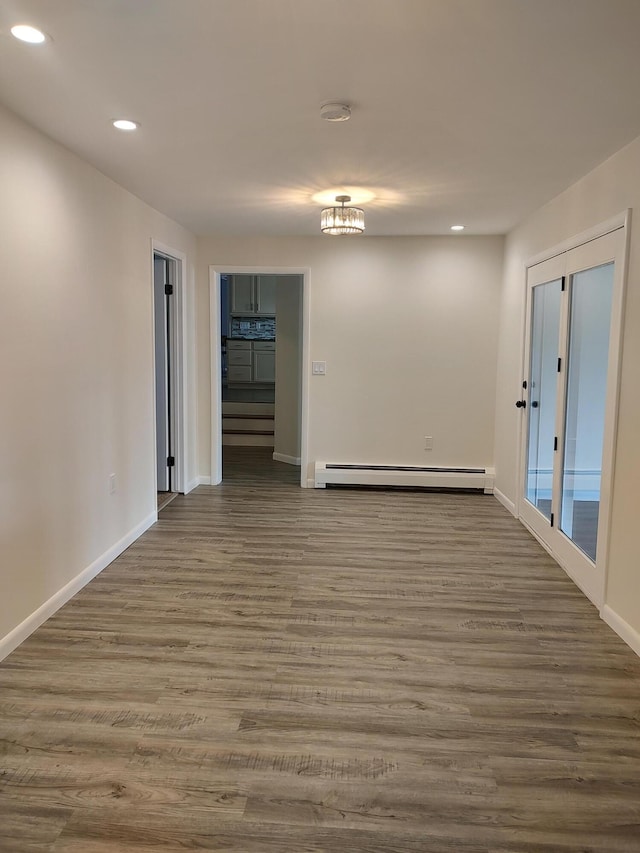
{"points": [[215, 271], [181, 339]]}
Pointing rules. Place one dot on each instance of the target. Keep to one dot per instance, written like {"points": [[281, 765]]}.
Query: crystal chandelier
{"points": [[342, 220]]}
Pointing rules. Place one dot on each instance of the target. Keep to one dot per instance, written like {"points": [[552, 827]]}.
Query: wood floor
{"points": [[277, 670], [165, 498]]}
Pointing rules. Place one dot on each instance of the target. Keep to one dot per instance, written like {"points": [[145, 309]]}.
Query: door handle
{"points": [[521, 404]]}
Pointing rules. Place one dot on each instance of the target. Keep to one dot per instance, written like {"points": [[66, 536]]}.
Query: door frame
{"points": [[595, 591], [178, 367], [215, 271]]}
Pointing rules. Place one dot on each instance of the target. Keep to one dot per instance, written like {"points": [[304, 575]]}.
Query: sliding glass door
{"points": [[568, 403]]}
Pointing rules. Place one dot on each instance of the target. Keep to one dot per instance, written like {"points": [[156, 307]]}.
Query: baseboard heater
{"points": [[414, 476]]}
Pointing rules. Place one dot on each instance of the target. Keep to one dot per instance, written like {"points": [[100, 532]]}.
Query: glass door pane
{"points": [[543, 380], [588, 357]]}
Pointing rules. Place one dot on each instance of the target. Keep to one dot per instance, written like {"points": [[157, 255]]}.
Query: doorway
{"points": [[569, 402], [168, 364], [259, 334]]}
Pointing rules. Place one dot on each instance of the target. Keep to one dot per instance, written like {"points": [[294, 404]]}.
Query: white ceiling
{"points": [[472, 111]]}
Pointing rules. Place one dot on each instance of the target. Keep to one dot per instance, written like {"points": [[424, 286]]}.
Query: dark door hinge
{"points": [[168, 290], [555, 442], [559, 365], [171, 461], [524, 384], [564, 283], [551, 519]]}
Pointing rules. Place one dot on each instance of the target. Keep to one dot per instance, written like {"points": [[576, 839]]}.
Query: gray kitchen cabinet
{"points": [[241, 294], [239, 373], [266, 294], [264, 366], [251, 361], [252, 294]]}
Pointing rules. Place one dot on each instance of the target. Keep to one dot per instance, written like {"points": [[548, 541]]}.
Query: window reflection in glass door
{"points": [[590, 315], [543, 382]]}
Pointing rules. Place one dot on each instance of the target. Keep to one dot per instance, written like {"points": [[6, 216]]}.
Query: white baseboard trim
{"points": [[311, 484], [191, 485], [403, 475], [506, 503], [622, 628], [204, 480], [282, 457], [20, 633]]}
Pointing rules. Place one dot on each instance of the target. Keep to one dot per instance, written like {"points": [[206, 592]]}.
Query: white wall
{"points": [[288, 395], [603, 193], [408, 328], [76, 367]]}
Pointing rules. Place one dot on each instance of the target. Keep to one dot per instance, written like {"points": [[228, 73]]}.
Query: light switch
{"points": [[318, 368]]}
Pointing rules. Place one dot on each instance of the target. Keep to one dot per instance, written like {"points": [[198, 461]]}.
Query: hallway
{"points": [[277, 670]]}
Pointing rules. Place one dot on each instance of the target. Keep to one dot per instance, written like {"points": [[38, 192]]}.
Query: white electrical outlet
{"points": [[112, 483], [428, 442]]}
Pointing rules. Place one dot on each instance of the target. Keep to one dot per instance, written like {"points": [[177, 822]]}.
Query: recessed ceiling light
{"points": [[335, 112], [457, 227], [29, 34], [125, 124]]}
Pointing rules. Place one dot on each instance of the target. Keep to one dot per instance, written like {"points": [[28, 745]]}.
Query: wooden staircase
{"points": [[248, 424]]}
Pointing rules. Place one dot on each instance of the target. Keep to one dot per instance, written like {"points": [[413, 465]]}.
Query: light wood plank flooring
{"points": [[277, 670], [164, 499]]}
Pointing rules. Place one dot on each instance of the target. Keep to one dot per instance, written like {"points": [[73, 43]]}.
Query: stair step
{"points": [[245, 416], [247, 440], [247, 432], [238, 423], [263, 409]]}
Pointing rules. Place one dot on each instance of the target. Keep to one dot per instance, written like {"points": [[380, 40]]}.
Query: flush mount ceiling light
{"points": [[342, 220], [359, 195], [335, 112], [29, 34], [457, 227], [125, 124]]}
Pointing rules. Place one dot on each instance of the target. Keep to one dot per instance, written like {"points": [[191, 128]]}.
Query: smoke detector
{"points": [[335, 112]]}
